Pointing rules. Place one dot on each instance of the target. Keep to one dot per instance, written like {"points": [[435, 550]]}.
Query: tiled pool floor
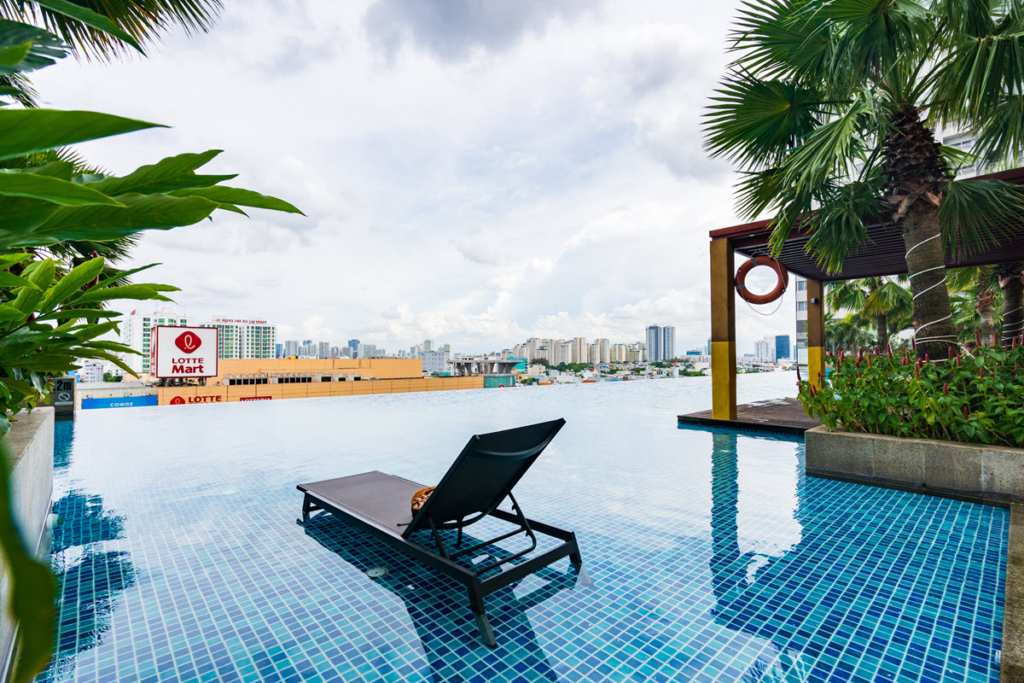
{"points": [[712, 556]]}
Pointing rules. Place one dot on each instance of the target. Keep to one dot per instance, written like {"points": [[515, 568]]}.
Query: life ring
{"points": [[780, 286]]}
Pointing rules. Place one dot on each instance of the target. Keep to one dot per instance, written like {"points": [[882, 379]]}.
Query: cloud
{"points": [[513, 169], [452, 30]]}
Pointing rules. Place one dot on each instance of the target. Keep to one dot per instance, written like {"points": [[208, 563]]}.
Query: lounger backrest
{"points": [[484, 473]]}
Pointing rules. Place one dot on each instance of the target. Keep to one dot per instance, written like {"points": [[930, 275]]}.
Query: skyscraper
{"points": [[354, 345], [653, 343], [781, 346], [661, 343]]}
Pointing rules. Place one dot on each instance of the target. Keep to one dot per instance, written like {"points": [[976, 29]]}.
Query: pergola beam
{"points": [[723, 330]]}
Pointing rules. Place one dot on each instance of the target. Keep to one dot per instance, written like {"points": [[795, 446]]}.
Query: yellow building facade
{"points": [[281, 378]]}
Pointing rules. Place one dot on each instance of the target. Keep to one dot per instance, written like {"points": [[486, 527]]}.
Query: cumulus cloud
{"points": [[453, 30]]}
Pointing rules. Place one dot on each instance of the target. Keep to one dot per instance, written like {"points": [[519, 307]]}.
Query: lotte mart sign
{"points": [[183, 352]]}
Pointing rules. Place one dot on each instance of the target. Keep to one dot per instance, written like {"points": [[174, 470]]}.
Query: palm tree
{"points": [[975, 302], [1011, 281], [885, 300], [849, 333], [142, 20], [824, 111]]}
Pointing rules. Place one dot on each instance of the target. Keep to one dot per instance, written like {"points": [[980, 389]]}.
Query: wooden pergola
{"points": [[881, 255]]}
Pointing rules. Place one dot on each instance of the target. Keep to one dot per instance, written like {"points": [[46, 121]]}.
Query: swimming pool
{"points": [[713, 556]]}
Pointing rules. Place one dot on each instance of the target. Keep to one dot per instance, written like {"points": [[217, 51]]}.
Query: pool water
{"points": [[712, 556]]}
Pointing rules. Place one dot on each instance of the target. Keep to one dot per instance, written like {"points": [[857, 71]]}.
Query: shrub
{"points": [[975, 397]]}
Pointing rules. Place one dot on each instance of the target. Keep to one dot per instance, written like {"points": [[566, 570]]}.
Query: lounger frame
{"points": [[477, 587]]}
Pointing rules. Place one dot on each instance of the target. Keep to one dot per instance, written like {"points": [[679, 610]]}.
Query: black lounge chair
{"points": [[476, 484]]}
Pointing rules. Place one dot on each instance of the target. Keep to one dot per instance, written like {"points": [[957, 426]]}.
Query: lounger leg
{"points": [[477, 603], [308, 506]]}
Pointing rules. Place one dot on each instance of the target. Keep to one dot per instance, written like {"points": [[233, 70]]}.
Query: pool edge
{"points": [[1011, 667]]}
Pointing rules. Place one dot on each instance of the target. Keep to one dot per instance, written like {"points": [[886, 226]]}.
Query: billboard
{"points": [[182, 352], [118, 402]]}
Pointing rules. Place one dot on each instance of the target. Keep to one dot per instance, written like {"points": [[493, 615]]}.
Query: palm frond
{"points": [[754, 122], [976, 213], [144, 20]]}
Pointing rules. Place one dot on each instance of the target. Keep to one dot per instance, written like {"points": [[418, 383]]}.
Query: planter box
{"points": [[993, 472], [30, 442]]}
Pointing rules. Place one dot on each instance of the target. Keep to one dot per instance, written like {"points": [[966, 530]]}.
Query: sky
{"points": [[475, 173]]}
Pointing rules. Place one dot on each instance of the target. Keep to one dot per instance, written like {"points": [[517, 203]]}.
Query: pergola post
{"points": [[723, 330], [815, 332]]}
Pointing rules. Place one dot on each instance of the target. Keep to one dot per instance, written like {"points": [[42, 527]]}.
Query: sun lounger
{"points": [[480, 479]]}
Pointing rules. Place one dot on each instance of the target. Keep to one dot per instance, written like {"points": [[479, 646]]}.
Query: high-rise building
{"points": [[354, 345], [661, 343], [605, 351], [291, 348], [764, 349], [135, 332], [708, 347], [367, 350], [781, 346], [278, 350], [243, 338], [801, 325], [653, 343], [323, 350], [580, 350]]}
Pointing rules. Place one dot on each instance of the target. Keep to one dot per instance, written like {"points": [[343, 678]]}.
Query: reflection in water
{"points": [[90, 574], [440, 612], [63, 443], [734, 572], [82, 520]]}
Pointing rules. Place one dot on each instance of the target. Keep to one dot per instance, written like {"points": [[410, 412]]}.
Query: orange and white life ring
{"points": [[780, 286]]}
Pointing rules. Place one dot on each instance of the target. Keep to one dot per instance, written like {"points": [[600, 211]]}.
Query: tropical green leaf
{"points": [[977, 212], [72, 282], [12, 56], [10, 313], [234, 195], [89, 18], [12, 280], [138, 292], [24, 131], [172, 173], [46, 188], [140, 212], [33, 592], [40, 48]]}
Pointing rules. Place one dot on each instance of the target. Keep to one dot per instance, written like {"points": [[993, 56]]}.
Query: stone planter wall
{"points": [[30, 443], [992, 472]]}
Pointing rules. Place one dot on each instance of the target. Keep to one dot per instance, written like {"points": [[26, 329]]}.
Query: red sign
{"points": [[188, 341], [181, 400], [256, 398]]}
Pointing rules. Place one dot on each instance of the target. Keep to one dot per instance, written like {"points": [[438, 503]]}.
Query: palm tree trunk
{"points": [[882, 328], [916, 173], [1011, 280], [985, 299], [933, 316]]}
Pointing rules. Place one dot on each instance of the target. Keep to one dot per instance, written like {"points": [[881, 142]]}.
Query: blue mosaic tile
{"points": [[713, 556]]}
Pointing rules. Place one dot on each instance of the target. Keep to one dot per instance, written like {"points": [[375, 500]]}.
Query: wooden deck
{"points": [[783, 415]]}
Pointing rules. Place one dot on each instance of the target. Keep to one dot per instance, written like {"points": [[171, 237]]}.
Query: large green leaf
{"points": [[89, 18], [234, 195], [55, 190], [71, 283], [138, 292], [172, 173], [13, 55], [23, 131], [34, 589], [140, 212], [38, 48]]}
